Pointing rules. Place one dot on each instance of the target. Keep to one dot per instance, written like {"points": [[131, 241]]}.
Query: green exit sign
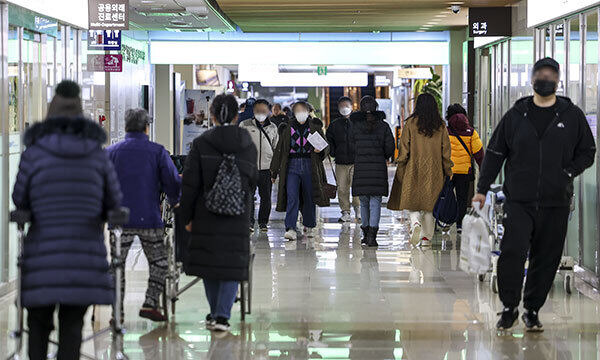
{"points": [[322, 70]]}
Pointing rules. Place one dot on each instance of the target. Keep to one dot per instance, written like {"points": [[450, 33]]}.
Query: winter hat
{"points": [[459, 122], [66, 101]]}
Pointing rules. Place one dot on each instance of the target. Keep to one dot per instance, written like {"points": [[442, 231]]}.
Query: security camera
{"points": [[455, 8]]}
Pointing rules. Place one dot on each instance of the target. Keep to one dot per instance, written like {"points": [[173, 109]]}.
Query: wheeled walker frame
{"points": [[495, 216], [116, 218], [175, 269]]}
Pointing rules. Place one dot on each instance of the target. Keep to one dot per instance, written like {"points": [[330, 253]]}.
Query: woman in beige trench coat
{"points": [[424, 162]]}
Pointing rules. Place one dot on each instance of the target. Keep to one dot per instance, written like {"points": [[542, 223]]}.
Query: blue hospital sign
{"points": [[104, 40]]}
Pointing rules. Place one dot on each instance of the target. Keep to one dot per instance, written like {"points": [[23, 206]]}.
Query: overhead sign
{"points": [[490, 21], [108, 14], [105, 63], [321, 70], [544, 11], [415, 73], [104, 40], [72, 12]]}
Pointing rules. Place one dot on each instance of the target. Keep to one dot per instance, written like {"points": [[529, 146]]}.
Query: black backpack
{"points": [[445, 210], [227, 197]]}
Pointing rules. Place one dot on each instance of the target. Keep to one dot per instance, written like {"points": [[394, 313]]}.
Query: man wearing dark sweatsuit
{"points": [[544, 142]]}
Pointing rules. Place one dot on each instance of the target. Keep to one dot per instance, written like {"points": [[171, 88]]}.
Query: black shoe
{"points": [[532, 322], [509, 317], [263, 227], [372, 237], [222, 324], [365, 230], [210, 322]]}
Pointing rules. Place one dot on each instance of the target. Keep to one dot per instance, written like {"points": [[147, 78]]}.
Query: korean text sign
{"points": [[108, 14]]}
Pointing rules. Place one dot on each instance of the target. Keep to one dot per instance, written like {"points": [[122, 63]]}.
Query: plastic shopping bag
{"points": [[476, 248]]}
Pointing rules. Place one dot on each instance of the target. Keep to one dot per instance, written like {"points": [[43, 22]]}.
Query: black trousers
{"points": [[541, 232], [265, 188], [462, 182], [40, 322]]}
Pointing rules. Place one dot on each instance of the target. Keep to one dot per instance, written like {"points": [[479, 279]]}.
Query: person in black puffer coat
{"points": [[374, 145], [219, 249], [68, 183]]}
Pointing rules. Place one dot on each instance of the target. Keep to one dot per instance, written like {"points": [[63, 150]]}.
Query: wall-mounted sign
{"points": [[321, 70], [132, 55], [108, 14], [105, 63], [559, 30], [490, 21], [415, 73], [104, 40], [230, 86], [544, 11]]}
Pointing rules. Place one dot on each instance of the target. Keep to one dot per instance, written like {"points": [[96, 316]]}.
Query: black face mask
{"points": [[544, 87]]}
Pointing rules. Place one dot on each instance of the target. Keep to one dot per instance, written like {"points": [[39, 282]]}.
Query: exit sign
{"points": [[321, 70]]}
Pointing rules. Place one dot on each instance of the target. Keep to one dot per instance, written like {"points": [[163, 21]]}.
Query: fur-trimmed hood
{"points": [[362, 115], [66, 136]]}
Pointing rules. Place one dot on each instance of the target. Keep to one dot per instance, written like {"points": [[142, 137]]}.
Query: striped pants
{"points": [[154, 248]]}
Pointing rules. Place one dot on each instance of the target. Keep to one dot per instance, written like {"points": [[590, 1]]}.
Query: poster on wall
{"points": [[194, 112], [108, 14], [385, 105]]}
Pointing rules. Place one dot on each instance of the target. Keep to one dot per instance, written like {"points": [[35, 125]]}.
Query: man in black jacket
{"points": [[342, 150], [546, 142]]}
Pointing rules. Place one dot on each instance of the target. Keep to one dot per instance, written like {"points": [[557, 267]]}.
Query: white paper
{"points": [[317, 141]]}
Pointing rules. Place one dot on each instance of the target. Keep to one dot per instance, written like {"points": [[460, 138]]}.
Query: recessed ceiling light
{"points": [[420, 30], [427, 26], [147, 1], [440, 15]]}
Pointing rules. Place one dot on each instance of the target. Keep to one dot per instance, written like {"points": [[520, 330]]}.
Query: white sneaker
{"points": [[425, 242], [291, 235], [415, 234], [346, 217]]}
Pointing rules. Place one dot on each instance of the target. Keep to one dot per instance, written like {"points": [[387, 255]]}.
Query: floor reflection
{"points": [[328, 298]]}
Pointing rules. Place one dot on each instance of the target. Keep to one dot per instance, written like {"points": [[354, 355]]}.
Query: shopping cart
{"points": [[494, 214], [116, 218]]}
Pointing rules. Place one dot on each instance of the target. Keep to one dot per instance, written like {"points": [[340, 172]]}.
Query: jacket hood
{"points": [[311, 120], [459, 123], [66, 136], [563, 104], [362, 115], [228, 139]]}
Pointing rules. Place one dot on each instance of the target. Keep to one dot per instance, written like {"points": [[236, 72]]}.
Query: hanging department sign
{"points": [[490, 21], [108, 14], [104, 40]]}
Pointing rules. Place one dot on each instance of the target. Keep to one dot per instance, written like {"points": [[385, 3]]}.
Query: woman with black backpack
{"points": [[220, 173]]}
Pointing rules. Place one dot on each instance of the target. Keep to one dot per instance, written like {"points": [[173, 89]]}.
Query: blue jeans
{"points": [[370, 210], [299, 176], [221, 296]]}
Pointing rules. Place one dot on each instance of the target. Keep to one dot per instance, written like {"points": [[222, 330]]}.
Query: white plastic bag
{"points": [[475, 249]]}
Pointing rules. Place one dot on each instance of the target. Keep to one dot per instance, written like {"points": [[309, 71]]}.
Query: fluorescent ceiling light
{"points": [[311, 79]]}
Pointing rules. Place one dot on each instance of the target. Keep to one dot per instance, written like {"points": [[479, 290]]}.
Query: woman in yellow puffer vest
{"points": [[463, 155]]}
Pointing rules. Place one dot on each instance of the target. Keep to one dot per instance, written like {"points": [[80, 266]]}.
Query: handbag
{"points": [[472, 172], [445, 210], [476, 245], [330, 190]]}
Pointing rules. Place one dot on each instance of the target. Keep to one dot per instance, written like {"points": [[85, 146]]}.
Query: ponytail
{"points": [[224, 108]]}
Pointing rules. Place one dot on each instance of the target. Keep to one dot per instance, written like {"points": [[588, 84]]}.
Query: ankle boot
{"points": [[365, 230], [372, 238]]}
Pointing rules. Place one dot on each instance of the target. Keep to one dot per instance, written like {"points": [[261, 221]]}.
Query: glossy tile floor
{"points": [[326, 298]]}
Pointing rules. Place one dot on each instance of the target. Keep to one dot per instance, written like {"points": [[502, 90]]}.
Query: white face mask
{"points": [[260, 117], [301, 116], [345, 111]]}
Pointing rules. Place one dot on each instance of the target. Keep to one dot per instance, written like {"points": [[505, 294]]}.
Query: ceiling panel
{"points": [[349, 15]]}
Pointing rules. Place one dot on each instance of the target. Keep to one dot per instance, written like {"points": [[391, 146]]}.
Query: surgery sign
{"points": [[108, 14]]}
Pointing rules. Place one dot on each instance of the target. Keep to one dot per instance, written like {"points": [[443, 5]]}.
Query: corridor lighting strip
{"points": [[300, 53]]}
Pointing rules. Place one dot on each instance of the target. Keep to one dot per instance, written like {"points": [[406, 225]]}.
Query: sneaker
{"points": [[291, 235], [263, 228], [415, 234], [532, 322], [509, 317], [251, 228], [210, 322], [345, 217], [152, 314], [222, 324], [459, 231], [425, 242]]}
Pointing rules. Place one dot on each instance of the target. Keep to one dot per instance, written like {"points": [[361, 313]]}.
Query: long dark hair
{"points": [[427, 114], [369, 105], [224, 108]]}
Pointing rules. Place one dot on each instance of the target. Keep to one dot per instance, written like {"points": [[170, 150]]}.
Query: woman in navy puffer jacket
{"points": [[68, 183]]}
